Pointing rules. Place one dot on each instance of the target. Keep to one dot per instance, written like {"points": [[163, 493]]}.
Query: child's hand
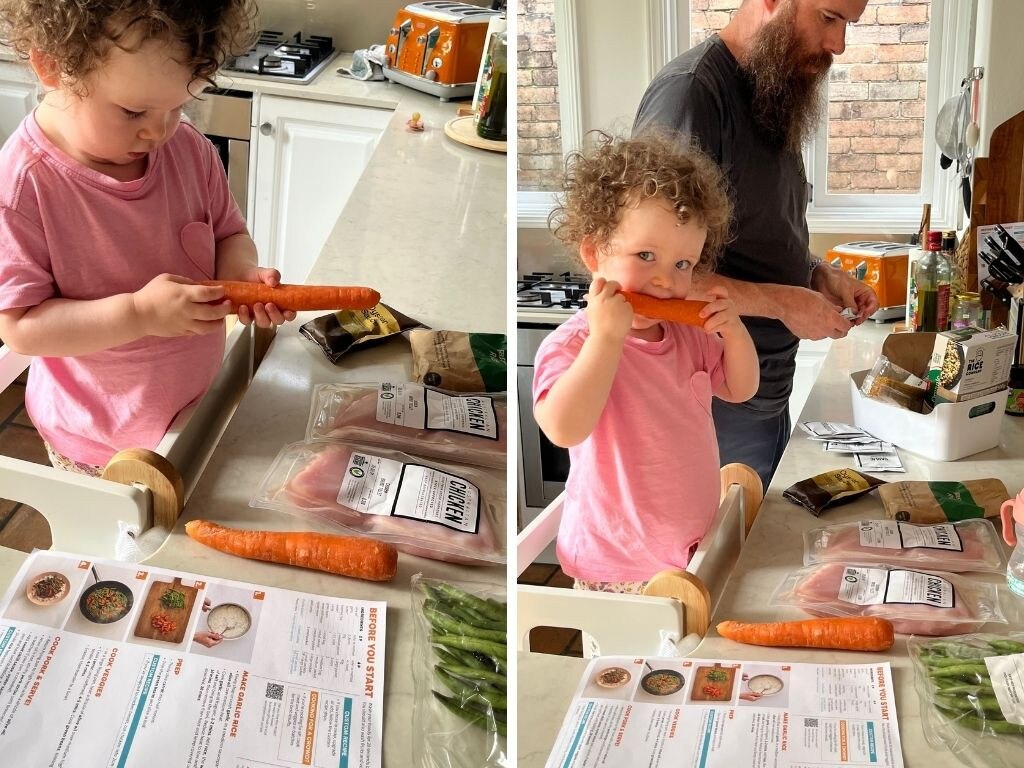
{"points": [[720, 315], [609, 315], [170, 305], [264, 315]]}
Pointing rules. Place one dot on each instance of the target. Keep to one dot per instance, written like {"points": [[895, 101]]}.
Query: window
{"points": [[874, 161]]}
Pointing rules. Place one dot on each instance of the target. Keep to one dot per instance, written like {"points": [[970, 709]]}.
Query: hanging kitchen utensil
{"points": [[953, 129]]}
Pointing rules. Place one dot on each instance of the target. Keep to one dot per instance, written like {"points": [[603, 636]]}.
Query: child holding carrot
{"points": [[628, 395], [112, 209]]}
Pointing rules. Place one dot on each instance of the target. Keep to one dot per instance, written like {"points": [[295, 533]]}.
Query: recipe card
{"points": [[722, 714], [105, 663]]}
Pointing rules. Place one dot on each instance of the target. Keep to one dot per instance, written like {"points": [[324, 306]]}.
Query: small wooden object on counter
{"points": [[462, 130], [153, 606], [142, 466]]}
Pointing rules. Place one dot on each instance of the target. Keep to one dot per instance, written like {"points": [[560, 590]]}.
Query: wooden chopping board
{"points": [[180, 616], [700, 679]]}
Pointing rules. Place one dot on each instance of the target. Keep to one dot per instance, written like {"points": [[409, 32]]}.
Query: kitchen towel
{"points": [[367, 64]]}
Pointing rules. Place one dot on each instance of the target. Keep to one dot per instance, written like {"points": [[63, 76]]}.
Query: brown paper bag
{"points": [[932, 501]]}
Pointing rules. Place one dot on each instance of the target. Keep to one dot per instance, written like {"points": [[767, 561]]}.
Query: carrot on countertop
{"points": [[672, 310], [344, 555], [298, 297], [854, 633]]}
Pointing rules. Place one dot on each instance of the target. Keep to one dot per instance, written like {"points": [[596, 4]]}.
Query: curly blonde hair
{"points": [[618, 172], [78, 34]]}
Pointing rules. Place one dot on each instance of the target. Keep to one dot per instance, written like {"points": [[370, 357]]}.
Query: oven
{"points": [[225, 117], [543, 301]]}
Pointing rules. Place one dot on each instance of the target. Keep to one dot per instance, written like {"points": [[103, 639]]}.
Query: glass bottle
{"points": [[926, 284], [956, 277], [494, 104], [944, 285]]}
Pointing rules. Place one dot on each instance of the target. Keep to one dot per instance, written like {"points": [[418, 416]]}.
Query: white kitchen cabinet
{"points": [[309, 156], [809, 357], [18, 88]]}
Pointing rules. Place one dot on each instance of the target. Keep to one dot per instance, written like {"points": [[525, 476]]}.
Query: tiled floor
{"points": [[554, 640], [21, 527]]}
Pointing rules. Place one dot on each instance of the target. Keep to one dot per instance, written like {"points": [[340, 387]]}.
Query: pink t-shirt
{"points": [[69, 231], [644, 487]]}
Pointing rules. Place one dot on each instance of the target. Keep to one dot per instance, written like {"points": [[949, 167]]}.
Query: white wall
{"points": [[999, 50], [613, 62], [353, 24]]}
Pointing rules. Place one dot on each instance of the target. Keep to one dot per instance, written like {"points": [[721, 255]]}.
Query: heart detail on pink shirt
{"points": [[200, 246]]}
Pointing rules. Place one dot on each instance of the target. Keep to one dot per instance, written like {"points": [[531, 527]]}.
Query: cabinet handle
{"points": [[266, 129]]}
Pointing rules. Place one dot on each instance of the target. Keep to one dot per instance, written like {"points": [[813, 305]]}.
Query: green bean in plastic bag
{"points": [[970, 688], [460, 673]]}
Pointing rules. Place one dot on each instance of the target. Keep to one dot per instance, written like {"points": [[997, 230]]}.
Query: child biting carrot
{"points": [[630, 396], [112, 209]]}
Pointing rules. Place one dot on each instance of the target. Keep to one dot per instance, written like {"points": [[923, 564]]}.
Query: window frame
{"points": [[668, 23]]}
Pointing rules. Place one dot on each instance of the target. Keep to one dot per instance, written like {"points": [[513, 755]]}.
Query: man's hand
{"points": [[837, 286], [809, 315]]}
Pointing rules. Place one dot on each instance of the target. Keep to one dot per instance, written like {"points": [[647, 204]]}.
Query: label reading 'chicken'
{"points": [[875, 586], [378, 486], [888, 534], [416, 407]]}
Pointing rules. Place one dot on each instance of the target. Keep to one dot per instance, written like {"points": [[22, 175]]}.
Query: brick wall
{"points": [[876, 95]]}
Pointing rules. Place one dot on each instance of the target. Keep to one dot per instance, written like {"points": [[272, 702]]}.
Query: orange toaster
{"points": [[436, 46], [881, 265]]}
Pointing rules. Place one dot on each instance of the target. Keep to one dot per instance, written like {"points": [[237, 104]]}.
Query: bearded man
{"points": [[750, 97]]}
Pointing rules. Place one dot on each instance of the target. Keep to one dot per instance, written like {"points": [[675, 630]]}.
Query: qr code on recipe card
{"points": [[275, 691]]}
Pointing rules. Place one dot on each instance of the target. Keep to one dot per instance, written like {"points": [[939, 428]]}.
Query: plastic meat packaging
{"points": [[465, 428], [427, 508], [916, 602], [970, 545], [460, 674], [970, 688]]}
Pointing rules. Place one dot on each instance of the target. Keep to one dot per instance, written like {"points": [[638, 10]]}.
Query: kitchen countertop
{"points": [[775, 547], [426, 226]]}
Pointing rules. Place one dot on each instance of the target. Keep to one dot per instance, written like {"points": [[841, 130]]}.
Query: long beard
{"points": [[788, 85]]}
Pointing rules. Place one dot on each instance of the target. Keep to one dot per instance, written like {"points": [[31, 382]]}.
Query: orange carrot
{"points": [[854, 633], [298, 297], [345, 555], [673, 310]]}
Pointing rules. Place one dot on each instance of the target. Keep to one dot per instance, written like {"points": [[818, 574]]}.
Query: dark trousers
{"points": [[756, 442]]}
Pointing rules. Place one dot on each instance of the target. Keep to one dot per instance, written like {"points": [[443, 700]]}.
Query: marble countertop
{"points": [[775, 547]]}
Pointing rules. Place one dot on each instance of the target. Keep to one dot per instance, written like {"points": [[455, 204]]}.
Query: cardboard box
{"points": [[970, 362], [951, 431]]}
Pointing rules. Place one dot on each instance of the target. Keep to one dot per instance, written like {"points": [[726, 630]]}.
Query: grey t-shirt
{"points": [[703, 94]]}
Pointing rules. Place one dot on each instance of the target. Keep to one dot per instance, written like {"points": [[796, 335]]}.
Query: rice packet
{"points": [[970, 545], [828, 489], [429, 508], [469, 428], [350, 330], [916, 602], [939, 501]]}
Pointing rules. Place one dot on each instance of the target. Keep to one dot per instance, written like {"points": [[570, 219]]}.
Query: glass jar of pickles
{"points": [[965, 309]]}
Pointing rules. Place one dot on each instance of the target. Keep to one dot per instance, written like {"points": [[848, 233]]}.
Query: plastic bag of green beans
{"points": [[460, 672], [971, 696]]}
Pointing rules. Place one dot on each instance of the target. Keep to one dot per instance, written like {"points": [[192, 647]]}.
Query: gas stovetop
{"points": [[294, 59], [549, 292]]}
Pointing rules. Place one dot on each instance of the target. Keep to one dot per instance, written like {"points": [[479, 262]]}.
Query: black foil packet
{"points": [[816, 494], [350, 330]]}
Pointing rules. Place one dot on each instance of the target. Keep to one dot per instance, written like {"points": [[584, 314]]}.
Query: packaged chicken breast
{"points": [[970, 545], [429, 508], [916, 602], [468, 428]]}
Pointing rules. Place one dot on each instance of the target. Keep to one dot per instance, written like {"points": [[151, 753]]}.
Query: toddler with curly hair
{"points": [[630, 396], [112, 209]]}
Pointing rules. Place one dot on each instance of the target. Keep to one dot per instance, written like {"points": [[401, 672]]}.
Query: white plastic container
{"points": [[950, 432]]}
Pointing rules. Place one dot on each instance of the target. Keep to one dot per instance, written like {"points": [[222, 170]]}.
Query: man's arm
{"points": [[807, 313]]}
